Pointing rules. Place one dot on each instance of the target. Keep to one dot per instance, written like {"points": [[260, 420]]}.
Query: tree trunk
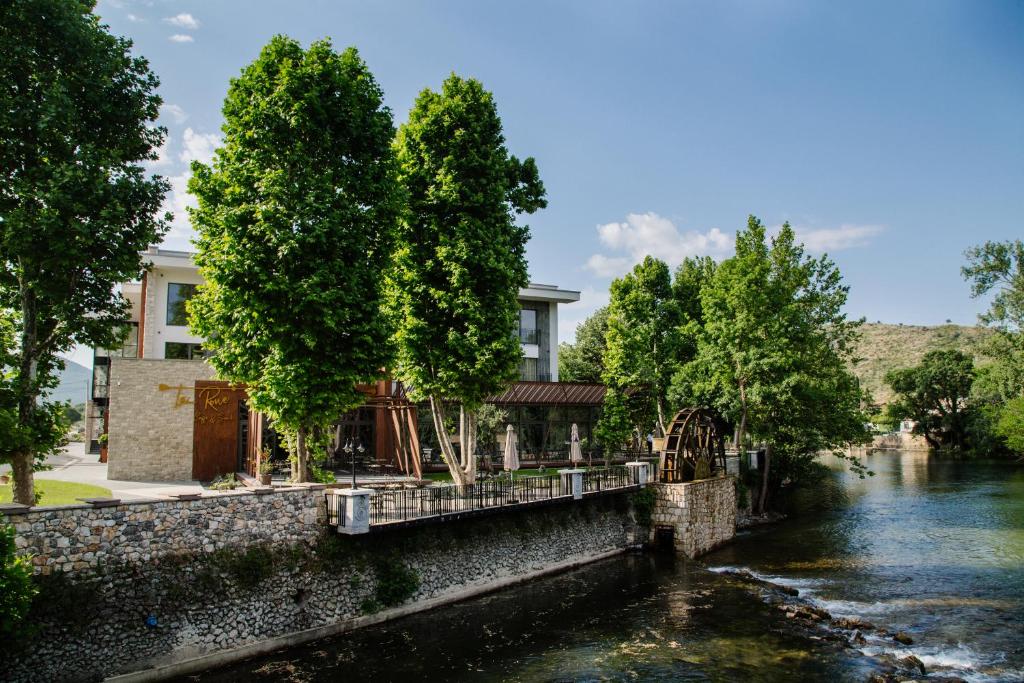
{"points": [[763, 498], [301, 456], [467, 439], [447, 452], [661, 418], [21, 464], [21, 468]]}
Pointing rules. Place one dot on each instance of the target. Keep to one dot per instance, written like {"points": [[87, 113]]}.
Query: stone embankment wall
{"points": [[702, 513], [152, 410], [78, 538], [174, 587]]}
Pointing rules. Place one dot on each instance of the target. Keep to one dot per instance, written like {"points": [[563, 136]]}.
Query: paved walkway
{"points": [[74, 464]]}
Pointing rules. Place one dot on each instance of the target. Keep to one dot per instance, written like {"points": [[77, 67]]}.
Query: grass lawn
{"points": [[60, 492]]}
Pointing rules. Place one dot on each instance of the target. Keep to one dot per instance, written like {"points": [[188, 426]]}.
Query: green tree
{"points": [[1011, 424], [583, 361], [773, 352], [691, 277], [76, 205], [461, 258], [935, 394], [642, 347], [296, 223]]}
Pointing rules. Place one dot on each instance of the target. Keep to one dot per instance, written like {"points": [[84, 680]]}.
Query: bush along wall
{"points": [[106, 620]]}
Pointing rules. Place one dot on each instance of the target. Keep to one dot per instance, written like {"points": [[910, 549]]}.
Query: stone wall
{"points": [[151, 415], [701, 513], [78, 538], [178, 613]]}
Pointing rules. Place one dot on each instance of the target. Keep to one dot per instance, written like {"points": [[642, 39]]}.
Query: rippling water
{"points": [[930, 546]]}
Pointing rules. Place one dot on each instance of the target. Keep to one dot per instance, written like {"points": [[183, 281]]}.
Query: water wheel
{"points": [[694, 447]]}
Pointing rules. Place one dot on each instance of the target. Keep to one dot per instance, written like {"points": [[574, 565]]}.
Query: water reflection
{"points": [[932, 546]]}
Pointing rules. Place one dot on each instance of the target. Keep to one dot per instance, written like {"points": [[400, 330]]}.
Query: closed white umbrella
{"points": [[511, 462], [575, 452]]}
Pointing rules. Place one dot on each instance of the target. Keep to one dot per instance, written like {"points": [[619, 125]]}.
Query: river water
{"points": [[930, 546]]}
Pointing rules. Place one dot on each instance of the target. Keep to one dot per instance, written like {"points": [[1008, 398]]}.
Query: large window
{"points": [[182, 351], [528, 326], [177, 295]]}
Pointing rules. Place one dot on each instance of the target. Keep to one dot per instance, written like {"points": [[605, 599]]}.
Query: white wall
{"points": [[161, 332]]}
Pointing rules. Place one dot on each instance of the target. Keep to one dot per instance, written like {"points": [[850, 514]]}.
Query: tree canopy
{"points": [[583, 361], [77, 206], [934, 394], [642, 350], [461, 257], [773, 350], [296, 220]]}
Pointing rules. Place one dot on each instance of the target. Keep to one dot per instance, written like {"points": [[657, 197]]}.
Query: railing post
{"points": [[637, 472], [353, 506], [572, 480]]}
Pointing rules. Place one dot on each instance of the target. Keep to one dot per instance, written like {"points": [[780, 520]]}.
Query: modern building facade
{"points": [[157, 391]]}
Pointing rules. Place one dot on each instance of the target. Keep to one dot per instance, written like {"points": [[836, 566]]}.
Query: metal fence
{"points": [[398, 505]]}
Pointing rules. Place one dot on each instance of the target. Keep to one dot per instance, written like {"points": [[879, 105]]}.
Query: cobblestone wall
{"points": [[702, 513], [159, 608], [151, 415], [81, 537]]}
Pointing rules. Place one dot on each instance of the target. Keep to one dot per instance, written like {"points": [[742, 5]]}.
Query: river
{"points": [[930, 546]]}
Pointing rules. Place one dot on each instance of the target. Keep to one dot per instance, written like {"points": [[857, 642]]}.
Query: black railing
{"points": [[399, 505]]}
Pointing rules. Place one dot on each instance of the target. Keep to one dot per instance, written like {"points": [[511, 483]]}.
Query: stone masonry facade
{"points": [[701, 513], [151, 416]]}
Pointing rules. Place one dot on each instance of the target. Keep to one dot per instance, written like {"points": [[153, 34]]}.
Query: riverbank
{"points": [[929, 547]]}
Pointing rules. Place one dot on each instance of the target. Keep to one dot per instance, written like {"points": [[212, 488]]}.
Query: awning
{"points": [[550, 394]]}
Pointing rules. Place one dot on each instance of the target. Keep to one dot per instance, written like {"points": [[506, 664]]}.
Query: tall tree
{"points": [[691, 277], [935, 395], [76, 204], [461, 258], [583, 360], [641, 354], [296, 223], [774, 349]]}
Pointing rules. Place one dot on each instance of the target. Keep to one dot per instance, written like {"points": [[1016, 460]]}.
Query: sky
{"points": [[889, 134]]}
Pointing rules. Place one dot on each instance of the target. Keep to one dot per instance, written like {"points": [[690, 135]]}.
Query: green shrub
{"points": [[396, 582], [643, 506], [16, 586]]}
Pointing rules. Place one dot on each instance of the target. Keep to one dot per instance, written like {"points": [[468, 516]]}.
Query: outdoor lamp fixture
{"points": [[352, 447]]}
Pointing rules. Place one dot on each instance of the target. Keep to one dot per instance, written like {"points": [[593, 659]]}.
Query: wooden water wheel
{"points": [[694, 447]]}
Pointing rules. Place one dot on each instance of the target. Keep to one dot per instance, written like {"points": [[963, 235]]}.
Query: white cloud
{"points": [[175, 112], [199, 146], [183, 20], [181, 38], [643, 234], [608, 266], [194, 147], [835, 239], [135, 18], [571, 315]]}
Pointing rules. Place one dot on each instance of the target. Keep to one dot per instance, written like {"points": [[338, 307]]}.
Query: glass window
{"points": [[528, 371], [528, 326], [177, 295], [183, 351]]}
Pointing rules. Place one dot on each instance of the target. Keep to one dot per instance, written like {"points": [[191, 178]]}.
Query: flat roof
{"points": [[534, 291]]}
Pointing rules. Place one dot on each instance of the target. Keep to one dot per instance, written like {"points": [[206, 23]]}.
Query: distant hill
{"points": [[74, 383], [891, 347]]}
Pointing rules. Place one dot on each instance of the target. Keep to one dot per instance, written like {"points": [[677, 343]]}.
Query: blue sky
{"points": [[890, 134]]}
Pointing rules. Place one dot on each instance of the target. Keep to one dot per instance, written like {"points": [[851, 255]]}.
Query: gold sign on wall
{"points": [[180, 399]]}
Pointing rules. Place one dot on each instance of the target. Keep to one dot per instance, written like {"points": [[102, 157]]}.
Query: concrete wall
{"points": [[702, 513], [168, 615], [150, 423]]}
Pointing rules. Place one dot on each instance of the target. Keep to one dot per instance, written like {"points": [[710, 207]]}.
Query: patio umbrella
{"points": [[511, 463], [575, 452]]}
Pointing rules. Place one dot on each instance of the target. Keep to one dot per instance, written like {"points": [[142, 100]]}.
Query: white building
{"points": [[160, 328]]}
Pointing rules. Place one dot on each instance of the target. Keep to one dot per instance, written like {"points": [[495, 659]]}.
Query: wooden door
{"points": [[215, 429]]}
